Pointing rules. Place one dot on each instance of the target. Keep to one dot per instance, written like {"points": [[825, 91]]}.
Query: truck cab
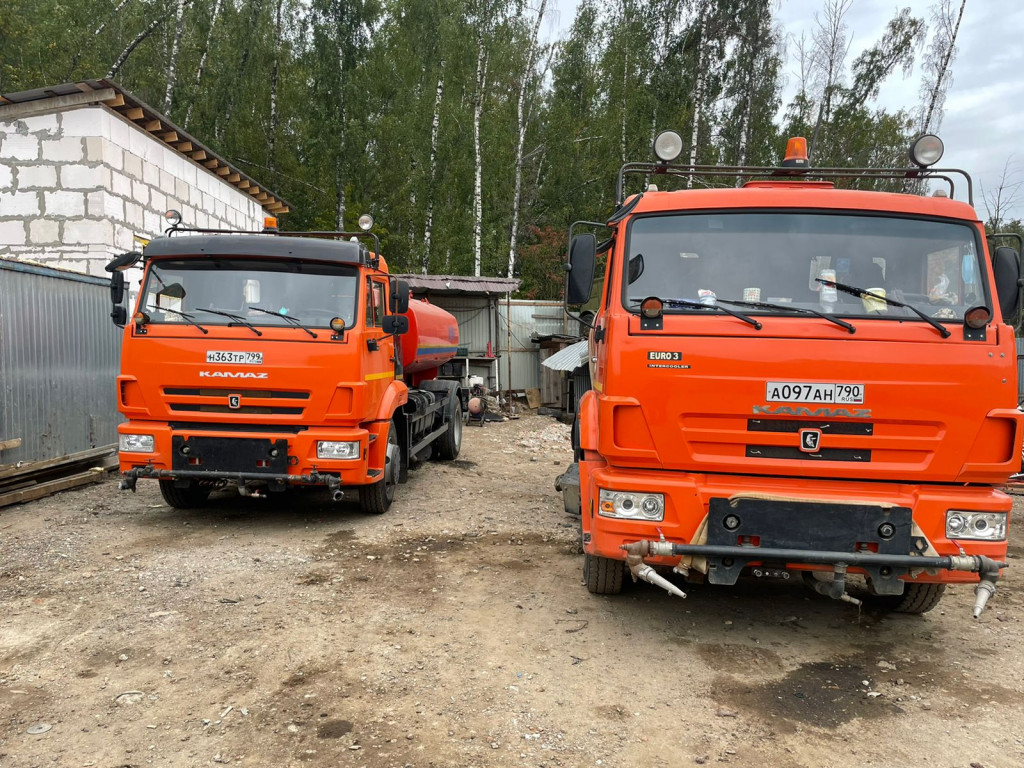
{"points": [[796, 379]]}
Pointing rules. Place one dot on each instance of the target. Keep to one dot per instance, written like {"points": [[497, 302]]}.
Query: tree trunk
{"points": [[172, 66], [202, 59], [478, 105], [939, 90], [521, 121], [120, 60], [698, 87], [428, 229], [272, 127]]}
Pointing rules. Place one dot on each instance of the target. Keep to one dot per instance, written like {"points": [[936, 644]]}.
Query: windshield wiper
{"points": [[694, 304], [236, 318], [784, 308], [288, 318], [184, 315], [854, 290]]}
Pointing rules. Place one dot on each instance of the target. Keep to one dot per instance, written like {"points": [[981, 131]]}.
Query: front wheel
{"points": [[603, 575], [184, 498], [916, 598], [376, 498]]}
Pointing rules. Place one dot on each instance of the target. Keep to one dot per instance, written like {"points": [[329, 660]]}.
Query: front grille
{"points": [[263, 410], [825, 427], [822, 454], [206, 426], [253, 402], [256, 394]]}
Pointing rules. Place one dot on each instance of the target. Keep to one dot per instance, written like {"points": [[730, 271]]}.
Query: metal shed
{"points": [[59, 360]]}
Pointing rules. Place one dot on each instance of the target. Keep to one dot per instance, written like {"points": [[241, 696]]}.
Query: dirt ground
{"points": [[456, 631]]}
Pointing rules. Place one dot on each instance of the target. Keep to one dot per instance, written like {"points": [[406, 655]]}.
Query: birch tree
{"points": [[941, 53], [523, 114]]}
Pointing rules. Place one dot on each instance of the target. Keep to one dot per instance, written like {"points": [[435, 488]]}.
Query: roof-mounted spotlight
{"points": [[173, 218], [668, 145], [366, 222], [926, 150]]}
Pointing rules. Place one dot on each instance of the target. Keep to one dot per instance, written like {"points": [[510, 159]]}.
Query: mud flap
{"points": [[569, 484]]}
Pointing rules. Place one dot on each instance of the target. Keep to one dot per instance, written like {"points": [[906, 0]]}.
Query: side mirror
{"points": [[1006, 268], [119, 315], [123, 262], [399, 304], [582, 258], [116, 287], [395, 324]]}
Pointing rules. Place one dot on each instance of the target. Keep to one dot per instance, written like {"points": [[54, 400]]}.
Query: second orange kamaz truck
{"points": [[793, 379], [267, 360]]}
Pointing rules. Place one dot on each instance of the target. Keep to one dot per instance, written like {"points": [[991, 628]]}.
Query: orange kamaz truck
{"points": [[267, 360], [796, 380]]}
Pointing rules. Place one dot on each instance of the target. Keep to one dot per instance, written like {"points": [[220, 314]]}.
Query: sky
{"points": [[980, 128]]}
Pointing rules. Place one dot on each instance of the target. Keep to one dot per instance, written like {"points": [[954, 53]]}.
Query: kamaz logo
{"points": [[231, 375], [827, 413]]}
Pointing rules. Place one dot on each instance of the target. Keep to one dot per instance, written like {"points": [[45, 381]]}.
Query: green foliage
{"points": [[333, 107]]}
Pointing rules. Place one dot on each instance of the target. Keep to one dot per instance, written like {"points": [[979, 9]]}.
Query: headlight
{"points": [[136, 443], [632, 505], [326, 449], [982, 526]]}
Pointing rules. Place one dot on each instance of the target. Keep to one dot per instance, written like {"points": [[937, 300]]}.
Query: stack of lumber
{"points": [[26, 481]]}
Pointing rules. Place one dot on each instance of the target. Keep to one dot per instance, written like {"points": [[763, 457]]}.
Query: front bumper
{"points": [[272, 456], [722, 524]]}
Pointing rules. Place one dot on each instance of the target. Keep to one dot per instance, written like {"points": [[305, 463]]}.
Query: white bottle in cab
{"points": [[828, 296]]}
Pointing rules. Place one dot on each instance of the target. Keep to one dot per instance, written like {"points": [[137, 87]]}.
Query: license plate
{"points": [[236, 358], [813, 392]]}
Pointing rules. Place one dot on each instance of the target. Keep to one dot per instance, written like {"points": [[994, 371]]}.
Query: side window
{"points": [[371, 317], [378, 302]]}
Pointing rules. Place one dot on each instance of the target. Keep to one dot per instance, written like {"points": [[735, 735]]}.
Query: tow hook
{"points": [[639, 570]]}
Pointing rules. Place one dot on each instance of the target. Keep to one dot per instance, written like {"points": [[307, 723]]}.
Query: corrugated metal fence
{"points": [[526, 318], [59, 359]]}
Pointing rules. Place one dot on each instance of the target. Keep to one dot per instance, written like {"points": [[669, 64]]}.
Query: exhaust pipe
{"points": [[337, 496]]}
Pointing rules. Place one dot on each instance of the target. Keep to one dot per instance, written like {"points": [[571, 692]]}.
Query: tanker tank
{"points": [[432, 340]]}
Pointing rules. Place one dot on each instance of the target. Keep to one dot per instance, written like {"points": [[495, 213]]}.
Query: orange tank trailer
{"points": [[795, 380], [264, 360]]}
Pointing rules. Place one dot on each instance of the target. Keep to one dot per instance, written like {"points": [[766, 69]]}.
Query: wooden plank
{"points": [[133, 113], [170, 137], [93, 475], [244, 184], [24, 468], [233, 177], [212, 163], [533, 398], [6, 445], [185, 146], [198, 155], [152, 126], [224, 170], [117, 101]]}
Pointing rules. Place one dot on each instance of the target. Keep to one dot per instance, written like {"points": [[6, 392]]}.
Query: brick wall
{"points": [[76, 186]]}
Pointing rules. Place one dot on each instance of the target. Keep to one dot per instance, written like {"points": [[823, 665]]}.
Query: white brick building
{"points": [[86, 168]]}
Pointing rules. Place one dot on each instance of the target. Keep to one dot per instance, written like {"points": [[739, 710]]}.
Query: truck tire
{"points": [[916, 598], [184, 498], [603, 575], [450, 443], [377, 497]]}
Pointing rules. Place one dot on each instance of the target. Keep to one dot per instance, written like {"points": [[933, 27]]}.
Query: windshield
{"points": [[263, 293], [780, 257]]}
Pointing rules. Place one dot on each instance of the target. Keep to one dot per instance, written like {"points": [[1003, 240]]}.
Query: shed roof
{"points": [[461, 284], [569, 359], [140, 114]]}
